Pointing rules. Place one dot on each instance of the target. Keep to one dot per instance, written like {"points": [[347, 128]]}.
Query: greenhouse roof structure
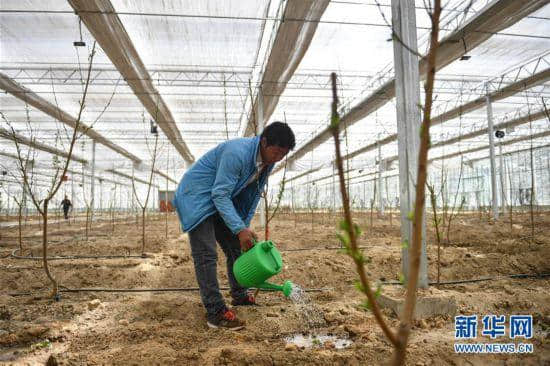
{"points": [[208, 71]]}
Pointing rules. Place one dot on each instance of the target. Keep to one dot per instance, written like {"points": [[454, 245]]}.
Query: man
{"points": [[216, 200], [66, 205]]}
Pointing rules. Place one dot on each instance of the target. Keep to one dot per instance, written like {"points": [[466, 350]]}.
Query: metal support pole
{"points": [[502, 179], [101, 195], [365, 196], [380, 187], [72, 196], [8, 201], [494, 195], [120, 202], [407, 88], [92, 194]]}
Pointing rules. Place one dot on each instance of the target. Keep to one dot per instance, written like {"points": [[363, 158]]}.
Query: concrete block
{"points": [[427, 305]]}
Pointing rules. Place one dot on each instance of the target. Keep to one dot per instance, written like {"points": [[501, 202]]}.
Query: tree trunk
{"points": [[45, 249], [166, 222], [20, 231], [143, 231], [87, 218], [371, 207]]}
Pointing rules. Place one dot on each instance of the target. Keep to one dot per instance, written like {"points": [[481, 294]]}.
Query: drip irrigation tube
{"points": [[13, 255], [168, 289], [482, 279], [322, 248]]}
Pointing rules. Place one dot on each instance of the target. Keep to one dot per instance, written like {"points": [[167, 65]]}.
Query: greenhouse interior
{"points": [[375, 173]]}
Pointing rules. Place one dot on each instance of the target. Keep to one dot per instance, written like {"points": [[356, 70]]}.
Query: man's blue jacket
{"points": [[217, 182]]}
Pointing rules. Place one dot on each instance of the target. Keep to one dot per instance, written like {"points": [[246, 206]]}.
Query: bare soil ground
{"points": [[152, 328]]}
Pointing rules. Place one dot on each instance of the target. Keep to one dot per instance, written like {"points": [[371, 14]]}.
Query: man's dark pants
{"points": [[66, 213], [203, 249]]}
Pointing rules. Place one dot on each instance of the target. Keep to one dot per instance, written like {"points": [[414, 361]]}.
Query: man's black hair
{"points": [[280, 134]]}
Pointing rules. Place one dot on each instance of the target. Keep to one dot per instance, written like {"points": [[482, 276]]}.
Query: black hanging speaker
{"points": [[154, 129]]}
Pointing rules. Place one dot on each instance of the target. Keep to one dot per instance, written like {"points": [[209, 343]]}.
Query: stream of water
{"points": [[313, 320]]}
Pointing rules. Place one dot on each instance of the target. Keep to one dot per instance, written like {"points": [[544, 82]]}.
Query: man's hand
{"points": [[246, 238]]}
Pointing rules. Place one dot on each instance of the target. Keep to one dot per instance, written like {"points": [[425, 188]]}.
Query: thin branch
{"points": [[351, 229], [420, 198]]}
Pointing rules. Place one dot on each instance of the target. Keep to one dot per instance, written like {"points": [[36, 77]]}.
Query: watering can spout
{"points": [[286, 288]]}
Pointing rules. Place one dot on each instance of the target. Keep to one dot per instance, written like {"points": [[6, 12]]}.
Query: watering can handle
{"points": [[277, 267]]}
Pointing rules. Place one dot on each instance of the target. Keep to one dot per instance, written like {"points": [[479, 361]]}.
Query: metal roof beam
{"points": [[127, 176], [31, 98], [291, 43], [9, 135], [52, 150], [164, 175], [458, 153], [531, 117], [509, 153], [74, 172], [100, 18], [481, 148], [504, 92], [500, 94], [496, 16], [501, 126]]}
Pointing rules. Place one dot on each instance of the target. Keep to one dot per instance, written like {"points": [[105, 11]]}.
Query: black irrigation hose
{"points": [[483, 279], [133, 290], [13, 255], [186, 289], [169, 289], [322, 248]]}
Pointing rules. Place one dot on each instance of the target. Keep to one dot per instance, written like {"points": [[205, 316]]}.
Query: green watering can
{"points": [[255, 266]]}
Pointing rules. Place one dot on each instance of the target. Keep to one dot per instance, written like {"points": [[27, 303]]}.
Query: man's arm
{"points": [[227, 176]]}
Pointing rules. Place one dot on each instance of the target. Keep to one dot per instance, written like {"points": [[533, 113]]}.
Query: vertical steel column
{"points": [[8, 201], [72, 195], [120, 207], [502, 178], [365, 196], [407, 88], [292, 197], [101, 195], [380, 188], [92, 199], [129, 204], [492, 155]]}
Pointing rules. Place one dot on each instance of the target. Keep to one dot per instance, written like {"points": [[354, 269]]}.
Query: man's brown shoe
{"points": [[247, 300], [226, 319]]}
